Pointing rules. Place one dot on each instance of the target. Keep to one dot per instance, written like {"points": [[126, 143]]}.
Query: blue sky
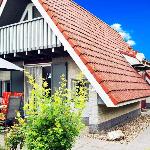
{"points": [[133, 15]]}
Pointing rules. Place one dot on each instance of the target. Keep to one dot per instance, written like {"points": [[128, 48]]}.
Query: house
{"points": [[54, 37]]}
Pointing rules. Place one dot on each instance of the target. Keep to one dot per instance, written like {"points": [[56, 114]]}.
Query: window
{"points": [[7, 86], [30, 13], [76, 85], [38, 71], [4, 87], [35, 13], [46, 73], [0, 88]]}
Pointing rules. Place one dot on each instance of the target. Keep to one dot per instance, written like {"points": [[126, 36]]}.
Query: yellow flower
{"points": [[45, 84]]}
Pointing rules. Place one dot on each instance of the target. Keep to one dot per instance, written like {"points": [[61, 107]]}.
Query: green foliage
{"points": [[52, 123], [1, 148], [15, 136], [1, 129]]}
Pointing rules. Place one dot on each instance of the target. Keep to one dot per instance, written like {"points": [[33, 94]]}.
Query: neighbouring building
{"points": [[49, 38], [142, 66]]}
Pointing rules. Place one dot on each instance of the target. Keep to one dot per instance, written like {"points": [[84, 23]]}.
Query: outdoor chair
{"points": [[5, 101], [14, 105]]}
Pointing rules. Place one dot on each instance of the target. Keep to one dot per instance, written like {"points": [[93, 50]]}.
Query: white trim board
{"points": [[29, 11], [77, 59], [2, 6]]}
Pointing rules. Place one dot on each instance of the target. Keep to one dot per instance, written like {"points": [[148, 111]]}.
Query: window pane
{"points": [[47, 75], [77, 85], [36, 13], [7, 86]]}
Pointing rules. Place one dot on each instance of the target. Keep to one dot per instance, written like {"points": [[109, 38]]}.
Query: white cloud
{"points": [[125, 35], [131, 42], [117, 27]]}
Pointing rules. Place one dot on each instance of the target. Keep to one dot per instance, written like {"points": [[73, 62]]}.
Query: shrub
{"points": [[53, 123], [16, 135]]}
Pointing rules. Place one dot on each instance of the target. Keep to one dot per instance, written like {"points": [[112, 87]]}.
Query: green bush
{"points": [[53, 123], [14, 137], [1, 148], [1, 129]]}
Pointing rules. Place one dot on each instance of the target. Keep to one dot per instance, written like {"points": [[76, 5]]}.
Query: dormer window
{"points": [[30, 13]]}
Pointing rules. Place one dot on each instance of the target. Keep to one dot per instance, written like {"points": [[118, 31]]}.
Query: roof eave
{"points": [[131, 101]]}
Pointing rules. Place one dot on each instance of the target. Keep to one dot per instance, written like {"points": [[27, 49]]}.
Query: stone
{"points": [[115, 135]]}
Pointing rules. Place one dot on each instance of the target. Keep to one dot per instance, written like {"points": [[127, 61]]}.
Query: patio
{"points": [[10, 102]]}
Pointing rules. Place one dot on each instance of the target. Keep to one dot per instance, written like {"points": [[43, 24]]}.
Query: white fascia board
{"points": [[2, 6], [76, 58]]}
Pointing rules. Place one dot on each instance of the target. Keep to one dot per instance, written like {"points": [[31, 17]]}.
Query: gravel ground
{"points": [[131, 129]]}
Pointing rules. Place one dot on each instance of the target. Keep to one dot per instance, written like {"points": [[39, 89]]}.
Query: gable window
{"points": [[30, 13]]}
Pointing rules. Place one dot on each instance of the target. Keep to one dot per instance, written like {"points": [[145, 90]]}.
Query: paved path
{"points": [[142, 142]]}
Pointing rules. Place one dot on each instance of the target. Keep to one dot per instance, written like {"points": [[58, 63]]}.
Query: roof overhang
{"points": [[131, 101], [8, 66]]}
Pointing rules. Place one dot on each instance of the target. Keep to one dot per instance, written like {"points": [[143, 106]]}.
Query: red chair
{"points": [[5, 101], [13, 107]]}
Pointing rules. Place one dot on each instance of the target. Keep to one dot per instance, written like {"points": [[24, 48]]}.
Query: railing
{"points": [[27, 36]]}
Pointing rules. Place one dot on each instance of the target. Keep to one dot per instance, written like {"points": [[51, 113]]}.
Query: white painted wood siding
{"points": [[27, 36]]}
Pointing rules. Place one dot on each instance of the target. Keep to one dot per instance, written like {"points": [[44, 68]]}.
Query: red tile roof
{"points": [[98, 47], [148, 74], [130, 52]]}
